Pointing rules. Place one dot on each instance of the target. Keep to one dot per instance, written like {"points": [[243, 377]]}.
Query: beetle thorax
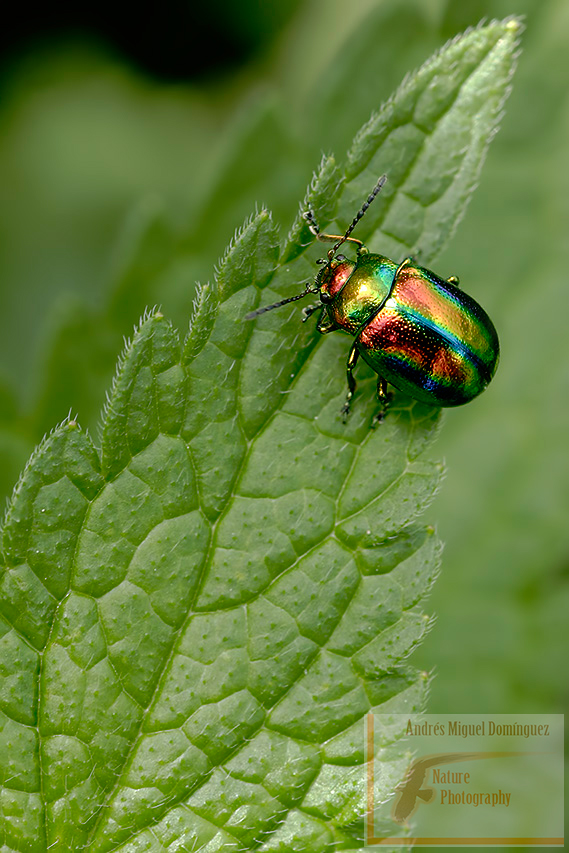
{"points": [[360, 294]]}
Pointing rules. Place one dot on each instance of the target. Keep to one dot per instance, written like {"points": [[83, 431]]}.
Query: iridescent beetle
{"points": [[418, 332]]}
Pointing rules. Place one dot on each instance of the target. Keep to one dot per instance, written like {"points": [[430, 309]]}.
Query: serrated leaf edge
{"points": [[432, 60]]}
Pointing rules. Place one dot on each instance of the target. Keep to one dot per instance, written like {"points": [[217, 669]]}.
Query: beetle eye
{"points": [[325, 297], [341, 258]]}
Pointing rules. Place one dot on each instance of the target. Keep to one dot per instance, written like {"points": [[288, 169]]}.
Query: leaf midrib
{"points": [[207, 564]]}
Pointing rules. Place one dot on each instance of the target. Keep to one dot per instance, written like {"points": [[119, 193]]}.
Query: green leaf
{"points": [[431, 138], [197, 662], [321, 198], [197, 618]]}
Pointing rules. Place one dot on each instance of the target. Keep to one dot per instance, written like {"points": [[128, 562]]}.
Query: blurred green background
{"points": [[126, 163]]}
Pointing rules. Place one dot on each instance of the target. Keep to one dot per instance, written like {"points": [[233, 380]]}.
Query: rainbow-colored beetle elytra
{"points": [[418, 332]]}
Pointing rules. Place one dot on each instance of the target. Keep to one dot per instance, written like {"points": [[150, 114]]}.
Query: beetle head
{"points": [[332, 277], [336, 269]]}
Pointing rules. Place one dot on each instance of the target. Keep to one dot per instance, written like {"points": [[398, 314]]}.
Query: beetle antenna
{"points": [[265, 308], [361, 212]]}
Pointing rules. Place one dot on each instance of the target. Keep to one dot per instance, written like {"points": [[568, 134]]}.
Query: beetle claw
{"points": [[380, 416], [378, 419], [309, 310]]}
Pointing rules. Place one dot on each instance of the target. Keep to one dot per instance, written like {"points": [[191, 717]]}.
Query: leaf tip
{"points": [[514, 25], [149, 314], [204, 312], [321, 197]]}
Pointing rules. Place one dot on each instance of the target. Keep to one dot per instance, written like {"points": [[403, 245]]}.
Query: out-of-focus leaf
{"points": [[395, 36], [81, 139], [261, 162]]}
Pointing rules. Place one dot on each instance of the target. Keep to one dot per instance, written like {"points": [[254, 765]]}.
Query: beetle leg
{"points": [[454, 279], [309, 310], [352, 361], [385, 399]]}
